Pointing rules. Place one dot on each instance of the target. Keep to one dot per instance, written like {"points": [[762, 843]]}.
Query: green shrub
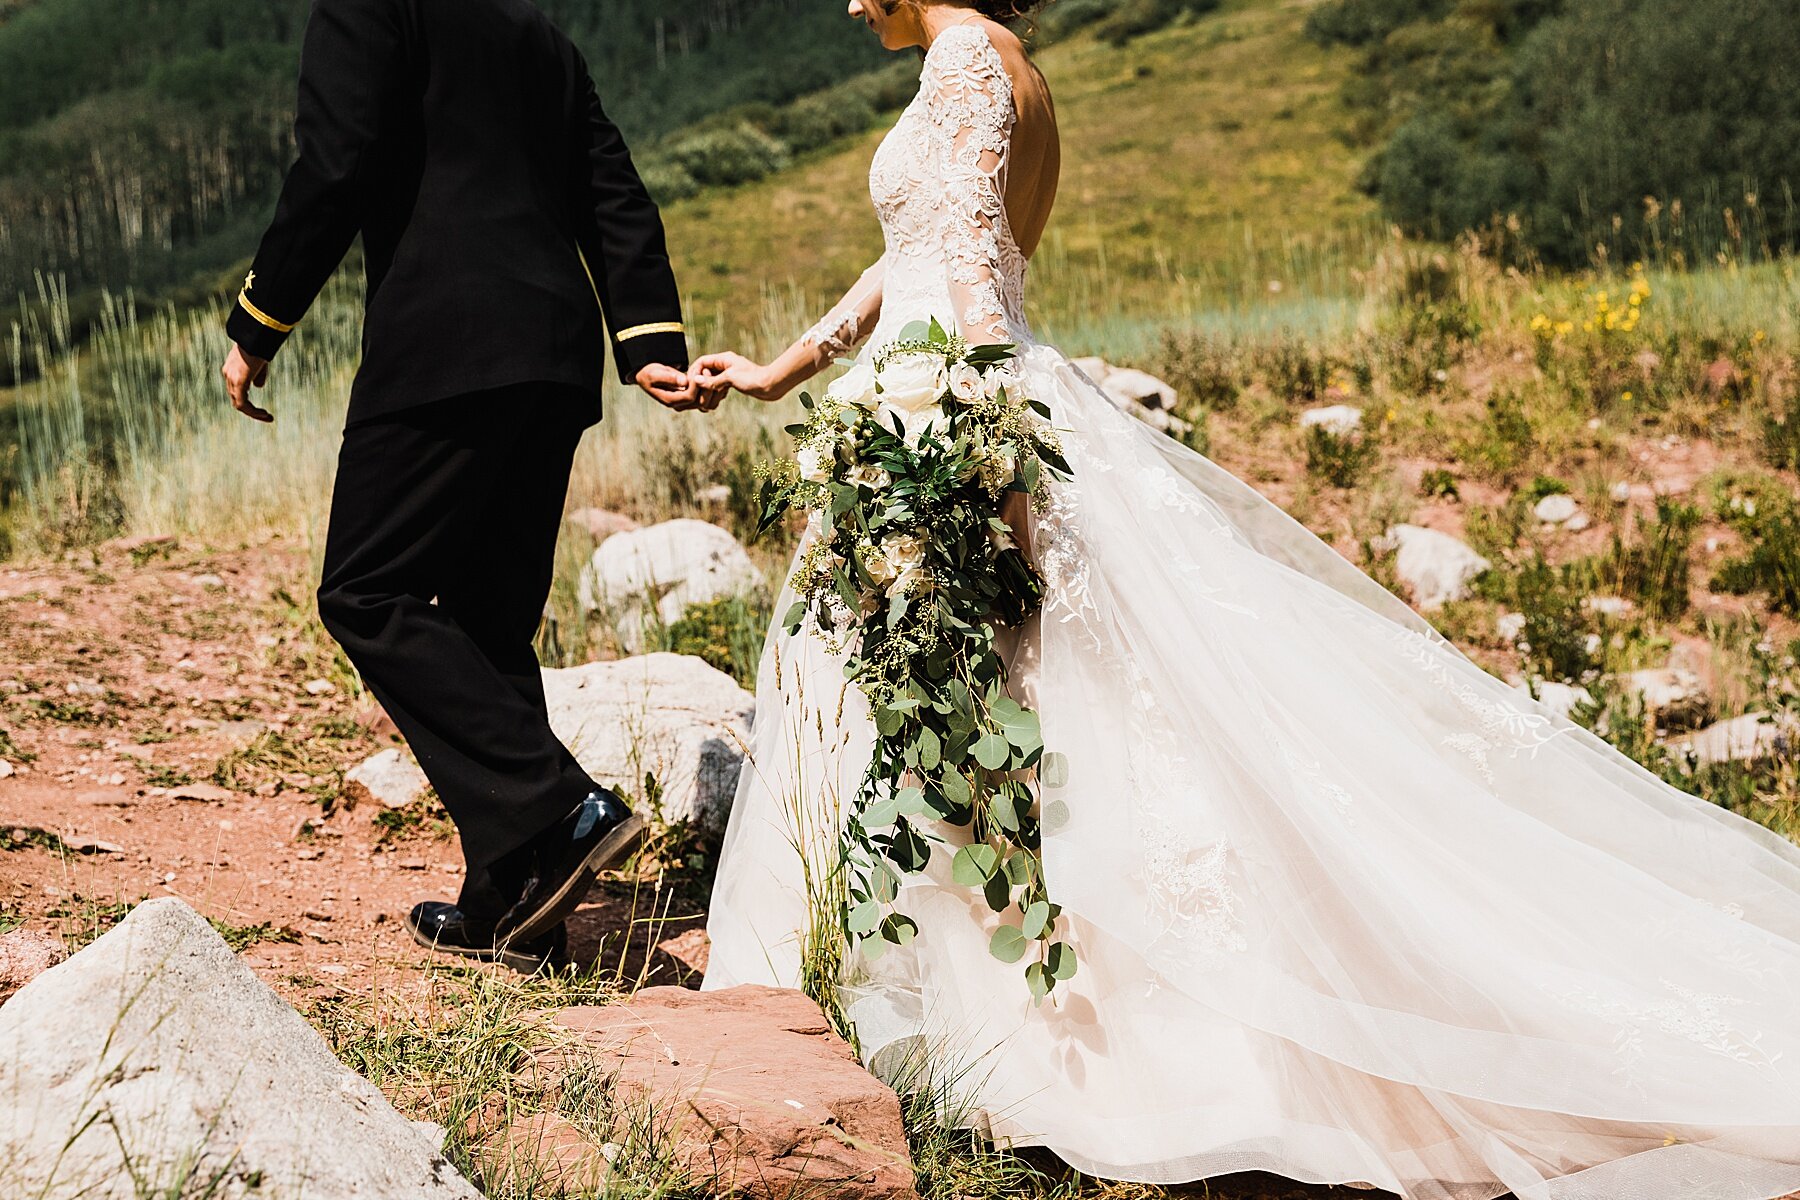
{"points": [[1360, 22], [1292, 368], [1559, 639], [1339, 459], [1206, 371], [1768, 520], [728, 633], [1651, 568], [1436, 481], [725, 157], [1134, 18], [1503, 442], [1781, 442]]}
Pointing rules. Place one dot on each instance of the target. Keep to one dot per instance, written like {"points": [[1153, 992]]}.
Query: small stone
{"points": [[6, 769], [204, 793], [87, 845], [1674, 695], [1620, 492], [718, 493], [1611, 606], [390, 778], [1339, 420], [1578, 522], [1510, 626], [1556, 508]]}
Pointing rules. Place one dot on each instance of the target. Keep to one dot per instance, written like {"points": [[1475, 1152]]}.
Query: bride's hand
{"points": [[727, 369]]}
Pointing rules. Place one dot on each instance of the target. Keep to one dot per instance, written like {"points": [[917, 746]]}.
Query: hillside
{"points": [[142, 146], [1202, 164]]}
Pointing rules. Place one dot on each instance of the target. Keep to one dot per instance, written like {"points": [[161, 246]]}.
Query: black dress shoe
{"points": [[448, 930], [561, 863]]}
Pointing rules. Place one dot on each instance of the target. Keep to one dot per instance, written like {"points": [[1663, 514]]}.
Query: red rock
{"points": [[1720, 374], [601, 523], [24, 955], [759, 1097]]}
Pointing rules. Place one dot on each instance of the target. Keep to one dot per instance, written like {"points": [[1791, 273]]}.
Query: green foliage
{"points": [[1437, 481], [1134, 18], [913, 572], [1623, 128], [1206, 371], [1781, 442], [728, 633], [1766, 516], [1558, 638], [1339, 459], [1503, 442], [724, 157], [1652, 566]]}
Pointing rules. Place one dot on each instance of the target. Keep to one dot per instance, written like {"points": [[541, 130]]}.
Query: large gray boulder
{"points": [[156, 1055], [668, 715], [676, 563]]}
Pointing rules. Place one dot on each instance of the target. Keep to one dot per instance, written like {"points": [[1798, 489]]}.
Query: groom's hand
{"points": [[669, 387], [241, 372]]}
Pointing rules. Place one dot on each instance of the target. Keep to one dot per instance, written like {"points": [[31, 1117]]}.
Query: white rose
{"points": [[897, 559], [913, 425], [855, 386], [965, 382], [863, 475], [1002, 376], [913, 382], [814, 464]]}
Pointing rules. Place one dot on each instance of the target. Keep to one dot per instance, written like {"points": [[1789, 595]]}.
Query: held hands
{"points": [[724, 372], [678, 391], [242, 371]]}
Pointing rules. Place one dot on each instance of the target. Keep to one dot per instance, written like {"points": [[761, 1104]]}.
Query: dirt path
{"points": [[176, 725]]}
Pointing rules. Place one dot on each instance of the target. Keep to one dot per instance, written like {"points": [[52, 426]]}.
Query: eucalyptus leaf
{"points": [[974, 865], [1008, 944], [1037, 919], [992, 751]]}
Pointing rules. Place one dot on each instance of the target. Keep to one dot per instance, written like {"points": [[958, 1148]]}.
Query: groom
{"points": [[501, 219]]}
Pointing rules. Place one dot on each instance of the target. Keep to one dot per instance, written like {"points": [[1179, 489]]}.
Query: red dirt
{"points": [[137, 666]]}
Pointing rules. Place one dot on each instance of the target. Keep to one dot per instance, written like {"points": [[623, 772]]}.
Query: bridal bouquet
{"points": [[903, 468]]}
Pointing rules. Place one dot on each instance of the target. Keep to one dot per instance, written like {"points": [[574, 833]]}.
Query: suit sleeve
{"points": [[621, 236], [350, 52]]}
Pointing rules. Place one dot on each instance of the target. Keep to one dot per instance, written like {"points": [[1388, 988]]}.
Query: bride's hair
{"points": [[994, 10]]}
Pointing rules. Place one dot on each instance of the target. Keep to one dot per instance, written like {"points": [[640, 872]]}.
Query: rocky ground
{"points": [[173, 725]]}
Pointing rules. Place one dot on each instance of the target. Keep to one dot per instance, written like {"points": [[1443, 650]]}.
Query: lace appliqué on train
{"points": [[1503, 726]]}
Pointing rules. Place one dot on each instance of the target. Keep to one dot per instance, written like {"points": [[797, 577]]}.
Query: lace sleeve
{"points": [[852, 318], [971, 106]]}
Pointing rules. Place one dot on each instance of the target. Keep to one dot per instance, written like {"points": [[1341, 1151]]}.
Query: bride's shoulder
{"points": [[972, 49]]}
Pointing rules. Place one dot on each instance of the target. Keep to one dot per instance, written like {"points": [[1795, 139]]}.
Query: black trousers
{"points": [[459, 501]]}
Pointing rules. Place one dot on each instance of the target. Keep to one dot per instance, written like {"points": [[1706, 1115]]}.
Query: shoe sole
{"points": [[527, 964], [616, 846]]}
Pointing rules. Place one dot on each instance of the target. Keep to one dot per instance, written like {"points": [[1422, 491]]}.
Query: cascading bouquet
{"points": [[903, 468]]}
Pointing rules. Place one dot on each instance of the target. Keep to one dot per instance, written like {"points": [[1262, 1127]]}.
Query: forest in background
{"points": [[1586, 129]]}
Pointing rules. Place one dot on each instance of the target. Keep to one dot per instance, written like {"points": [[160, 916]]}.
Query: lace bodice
{"points": [[938, 181]]}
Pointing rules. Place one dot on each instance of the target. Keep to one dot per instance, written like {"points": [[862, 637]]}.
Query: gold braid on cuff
{"points": [[625, 335], [260, 315]]}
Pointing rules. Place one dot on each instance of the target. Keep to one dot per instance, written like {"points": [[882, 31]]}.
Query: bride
{"points": [[1347, 908]]}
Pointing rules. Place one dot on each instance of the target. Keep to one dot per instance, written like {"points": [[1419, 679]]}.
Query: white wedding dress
{"points": [[1347, 908]]}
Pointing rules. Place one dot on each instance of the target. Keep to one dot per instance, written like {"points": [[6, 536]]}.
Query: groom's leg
{"points": [[405, 490], [497, 587]]}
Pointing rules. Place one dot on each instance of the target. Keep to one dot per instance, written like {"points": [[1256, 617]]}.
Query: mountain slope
{"points": [[1200, 164]]}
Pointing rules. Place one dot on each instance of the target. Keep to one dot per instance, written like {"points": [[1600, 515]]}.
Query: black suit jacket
{"points": [[499, 208]]}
